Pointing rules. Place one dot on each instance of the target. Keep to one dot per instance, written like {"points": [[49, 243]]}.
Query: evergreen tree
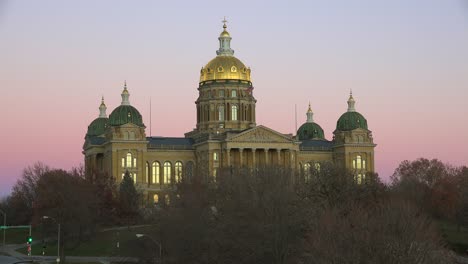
{"points": [[128, 198]]}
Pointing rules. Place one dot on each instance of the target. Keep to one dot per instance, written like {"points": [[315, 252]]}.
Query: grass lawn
{"points": [[103, 244], [457, 239], [17, 236]]}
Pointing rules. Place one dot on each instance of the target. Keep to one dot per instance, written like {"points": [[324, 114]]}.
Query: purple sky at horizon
{"points": [[406, 62]]}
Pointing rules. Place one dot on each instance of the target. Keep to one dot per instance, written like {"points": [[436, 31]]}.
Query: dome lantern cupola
{"points": [[310, 115], [351, 102], [102, 109], [125, 95], [225, 42]]}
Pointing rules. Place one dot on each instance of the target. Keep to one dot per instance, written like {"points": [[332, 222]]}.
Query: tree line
{"points": [[266, 215]]}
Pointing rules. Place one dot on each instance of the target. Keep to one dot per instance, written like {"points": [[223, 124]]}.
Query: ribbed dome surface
{"points": [[350, 121], [98, 126], [225, 68], [310, 130], [125, 114]]}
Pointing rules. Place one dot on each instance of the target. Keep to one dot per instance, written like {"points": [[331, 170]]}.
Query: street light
{"points": [[58, 236], [156, 242], [4, 226]]}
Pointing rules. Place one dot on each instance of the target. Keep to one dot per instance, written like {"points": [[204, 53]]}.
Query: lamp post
{"points": [[156, 242], [4, 226], [58, 236]]}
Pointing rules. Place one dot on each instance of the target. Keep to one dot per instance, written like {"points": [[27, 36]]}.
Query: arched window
{"points": [[307, 172], [317, 166], [156, 198], [221, 113], [155, 178], [128, 162], [167, 172], [233, 93], [234, 113], [178, 171], [359, 163], [215, 156], [188, 171]]}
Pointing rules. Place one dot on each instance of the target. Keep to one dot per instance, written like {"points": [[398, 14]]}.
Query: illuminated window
{"points": [[134, 177], [234, 113], [233, 93], [167, 199], [307, 172], [134, 162], [178, 171], [123, 162], [156, 198], [155, 178], [360, 178], [128, 163], [215, 156], [221, 113], [167, 172], [317, 166], [359, 163]]}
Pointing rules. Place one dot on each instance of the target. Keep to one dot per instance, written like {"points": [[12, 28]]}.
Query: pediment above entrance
{"points": [[260, 134]]}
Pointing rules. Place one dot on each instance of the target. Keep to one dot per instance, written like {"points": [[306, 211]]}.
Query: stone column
{"points": [[228, 156], [240, 156], [278, 155], [254, 164], [267, 160]]}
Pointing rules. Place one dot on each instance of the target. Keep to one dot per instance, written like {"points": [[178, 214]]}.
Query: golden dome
{"points": [[225, 68], [225, 34]]}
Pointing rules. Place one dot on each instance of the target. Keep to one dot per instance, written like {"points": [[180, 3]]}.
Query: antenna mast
{"points": [[150, 119], [295, 117]]}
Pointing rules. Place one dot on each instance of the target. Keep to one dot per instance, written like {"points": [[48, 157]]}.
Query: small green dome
{"points": [[350, 121], [310, 130], [98, 126], [125, 114]]}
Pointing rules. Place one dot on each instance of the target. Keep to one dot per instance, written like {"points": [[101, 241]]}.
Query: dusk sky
{"points": [[405, 60]]}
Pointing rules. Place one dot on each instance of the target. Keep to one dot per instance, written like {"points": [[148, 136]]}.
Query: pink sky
{"points": [[407, 64]]}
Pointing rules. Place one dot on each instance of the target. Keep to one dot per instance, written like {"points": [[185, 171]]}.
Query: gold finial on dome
{"points": [[224, 23], [310, 109]]}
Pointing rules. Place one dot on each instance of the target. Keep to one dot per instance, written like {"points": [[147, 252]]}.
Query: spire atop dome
{"points": [[225, 42], [102, 108], [351, 102], [125, 95], [310, 115]]}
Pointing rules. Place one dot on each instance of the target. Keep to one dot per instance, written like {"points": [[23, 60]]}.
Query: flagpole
{"points": [[295, 117], [150, 119]]}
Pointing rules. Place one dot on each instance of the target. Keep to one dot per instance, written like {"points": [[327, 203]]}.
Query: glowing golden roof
{"points": [[225, 68]]}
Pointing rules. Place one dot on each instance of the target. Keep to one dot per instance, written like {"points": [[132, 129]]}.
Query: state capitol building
{"points": [[226, 135]]}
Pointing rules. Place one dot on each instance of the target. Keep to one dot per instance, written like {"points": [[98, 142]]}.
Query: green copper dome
{"points": [[350, 121], [310, 130], [98, 126], [125, 114]]}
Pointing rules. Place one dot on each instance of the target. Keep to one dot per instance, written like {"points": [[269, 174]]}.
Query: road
{"points": [[11, 250]]}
